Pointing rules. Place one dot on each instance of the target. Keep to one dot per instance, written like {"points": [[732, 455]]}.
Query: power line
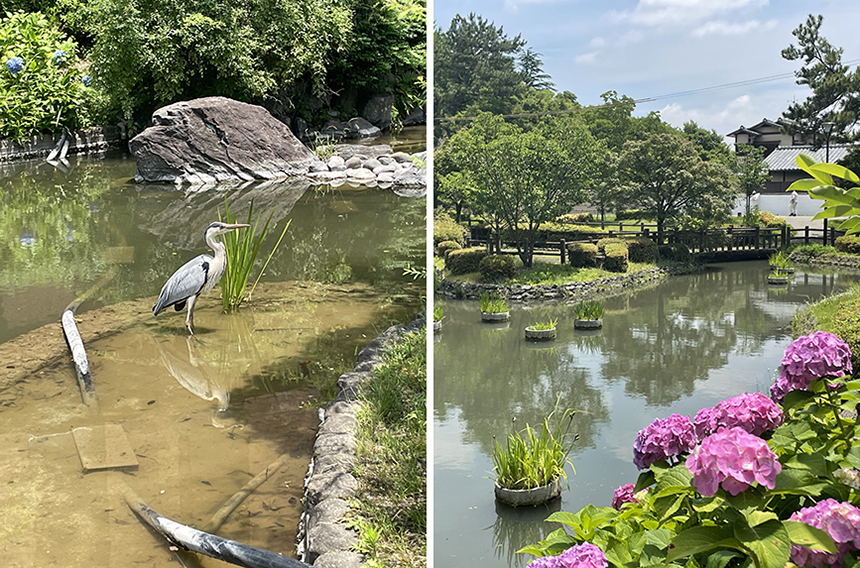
{"points": [[723, 86]]}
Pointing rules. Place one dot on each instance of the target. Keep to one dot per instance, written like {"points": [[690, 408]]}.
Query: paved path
{"points": [[801, 221]]}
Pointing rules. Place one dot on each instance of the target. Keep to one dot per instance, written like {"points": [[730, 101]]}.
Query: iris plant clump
{"points": [[764, 482]]}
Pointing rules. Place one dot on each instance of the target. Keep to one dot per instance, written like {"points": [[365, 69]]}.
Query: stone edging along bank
{"points": [[574, 291], [325, 541], [827, 260]]}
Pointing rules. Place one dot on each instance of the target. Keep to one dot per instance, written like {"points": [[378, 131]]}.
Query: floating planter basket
{"points": [[540, 334], [777, 280], [524, 497], [495, 316], [437, 326], [587, 324], [784, 269]]}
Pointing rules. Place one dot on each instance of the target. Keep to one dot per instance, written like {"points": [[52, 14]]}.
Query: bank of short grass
{"points": [[391, 459], [840, 315], [549, 273]]}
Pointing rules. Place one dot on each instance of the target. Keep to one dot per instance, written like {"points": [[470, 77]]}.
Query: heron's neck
{"points": [[217, 246]]}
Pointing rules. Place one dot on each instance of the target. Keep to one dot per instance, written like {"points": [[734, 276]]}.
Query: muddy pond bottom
{"points": [[201, 416]]}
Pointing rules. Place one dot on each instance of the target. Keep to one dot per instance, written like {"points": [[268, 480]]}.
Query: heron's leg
{"points": [[189, 321]]}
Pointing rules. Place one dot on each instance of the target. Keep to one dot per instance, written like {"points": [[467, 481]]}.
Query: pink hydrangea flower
{"points": [[623, 494], [779, 388], [814, 356], [734, 459], [585, 555], [754, 412], [663, 439], [840, 520]]}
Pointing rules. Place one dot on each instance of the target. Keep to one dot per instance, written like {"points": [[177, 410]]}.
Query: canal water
{"points": [[687, 343], [198, 418]]}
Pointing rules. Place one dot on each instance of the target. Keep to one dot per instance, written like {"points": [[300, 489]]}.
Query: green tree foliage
{"points": [[709, 144], [40, 82], [751, 170], [835, 87], [147, 54], [525, 178], [531, 68], [475, 65], [387, 51], [664, 173]]}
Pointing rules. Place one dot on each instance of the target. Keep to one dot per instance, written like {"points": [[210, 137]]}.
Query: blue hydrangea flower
{"points": [[57, 59], [86, 80], [15, 65]]}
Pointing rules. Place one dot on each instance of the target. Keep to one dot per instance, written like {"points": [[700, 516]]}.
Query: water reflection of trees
{"points": [[502, 377], [516, 528]]}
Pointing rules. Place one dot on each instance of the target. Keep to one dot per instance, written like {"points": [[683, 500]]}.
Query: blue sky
{"points": [[652, 48]]}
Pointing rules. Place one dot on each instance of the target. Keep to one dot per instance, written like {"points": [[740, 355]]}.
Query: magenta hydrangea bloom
{"points": [[840, 520], [663, 439], [623, 494], [754, 412], [814, 356], [585, 555], [779, 388], [734, 459]]}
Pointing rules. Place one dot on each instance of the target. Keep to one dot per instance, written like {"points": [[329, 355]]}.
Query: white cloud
{"points": [[722, 27], [513, 6], [597, 42], [586, 58], [723, 119], [659, 13]]}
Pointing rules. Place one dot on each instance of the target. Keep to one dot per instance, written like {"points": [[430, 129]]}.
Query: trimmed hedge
{"points": [[575, 218], [849, 244], [677, 252], [554, 232], [628, 214], [616, 257], [642, 249], [445, 229], [582, 255], [443, 248], [601, 244], [497, 267], [465, 260]]}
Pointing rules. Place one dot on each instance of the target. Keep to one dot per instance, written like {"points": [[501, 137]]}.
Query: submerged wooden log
{"points": [[221, 514], [189, 538], [79, 355]]}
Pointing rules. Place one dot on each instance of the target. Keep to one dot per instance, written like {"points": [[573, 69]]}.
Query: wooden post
{"points": [[833, 235], [757, 238], [563, 247], [620, 227], [824, 234], [806, 235]]}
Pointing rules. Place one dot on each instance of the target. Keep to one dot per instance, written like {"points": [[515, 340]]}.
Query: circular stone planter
{"points": [[777, 280], [437, 326], [495, 316], [523, 497], [789, 270], [540, 334], [587, 324]]}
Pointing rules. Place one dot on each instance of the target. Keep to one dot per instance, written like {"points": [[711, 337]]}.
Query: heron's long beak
{"points": [[235, 226]]}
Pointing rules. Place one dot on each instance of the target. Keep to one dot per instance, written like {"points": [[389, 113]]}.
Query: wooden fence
{"points": [[722, 239]]}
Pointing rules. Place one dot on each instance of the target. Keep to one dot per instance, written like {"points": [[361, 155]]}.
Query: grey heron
{"points": [[197, 275]]}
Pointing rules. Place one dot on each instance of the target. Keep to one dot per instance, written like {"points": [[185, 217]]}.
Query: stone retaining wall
{"points": [[82, 142], [325, 541], [827, 260], [572, 291]]}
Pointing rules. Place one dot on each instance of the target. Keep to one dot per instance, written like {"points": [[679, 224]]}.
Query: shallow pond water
{"points": [[687, 343], [201, 415]]}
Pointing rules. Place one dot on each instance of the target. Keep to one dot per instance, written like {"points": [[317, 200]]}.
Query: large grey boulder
{"points": [[377, 111], [217, 139]]}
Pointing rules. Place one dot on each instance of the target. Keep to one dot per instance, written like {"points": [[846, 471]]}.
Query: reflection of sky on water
{"points": [[687, 344]]}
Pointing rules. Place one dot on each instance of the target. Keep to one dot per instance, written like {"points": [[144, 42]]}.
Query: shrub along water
{"points": [[753, 481]]}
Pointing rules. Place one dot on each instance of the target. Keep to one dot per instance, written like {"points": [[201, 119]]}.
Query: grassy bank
{"points": [[547, 273], [840, 315], [391, 459]]}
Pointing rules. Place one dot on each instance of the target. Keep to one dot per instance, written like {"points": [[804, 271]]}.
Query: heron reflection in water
{"points": [[197, 275]]}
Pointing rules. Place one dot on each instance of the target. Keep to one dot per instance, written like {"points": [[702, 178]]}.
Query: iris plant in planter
{"points": [[589, 314], [755, 481], [438, 314], [494, 307], [542, 330], [780, 261], [530, 467]]}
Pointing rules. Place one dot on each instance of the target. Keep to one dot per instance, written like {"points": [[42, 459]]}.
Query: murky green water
{"points": [[688, 343], [201, 416]]}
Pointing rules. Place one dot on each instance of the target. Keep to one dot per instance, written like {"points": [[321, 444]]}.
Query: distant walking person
{"points": [[792, 207]]}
